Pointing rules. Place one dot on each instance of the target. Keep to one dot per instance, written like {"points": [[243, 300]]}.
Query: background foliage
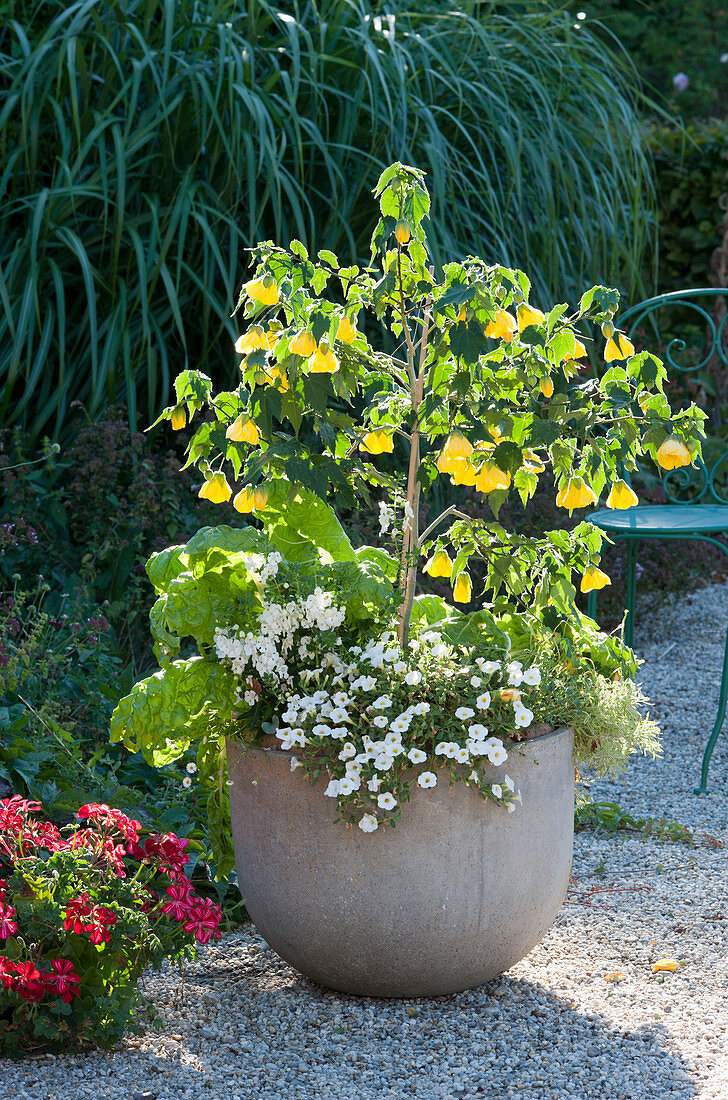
{"points": [[145, 144]]}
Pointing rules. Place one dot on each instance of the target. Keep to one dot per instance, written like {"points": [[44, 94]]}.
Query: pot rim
{"points": [[287, 752]]}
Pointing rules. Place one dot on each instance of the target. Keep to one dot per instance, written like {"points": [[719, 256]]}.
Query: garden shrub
{"points": [[147, 145], [83, 911]]}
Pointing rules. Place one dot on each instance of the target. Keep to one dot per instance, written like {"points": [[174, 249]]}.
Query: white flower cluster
{"points": [[371, 733], [281, 628]]}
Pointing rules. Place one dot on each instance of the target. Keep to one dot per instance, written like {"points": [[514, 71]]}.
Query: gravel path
{"points": [[244, 1025]]}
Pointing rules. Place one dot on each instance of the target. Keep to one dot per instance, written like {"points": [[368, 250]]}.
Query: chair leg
{"points": [[631, 593], [703, 788]]}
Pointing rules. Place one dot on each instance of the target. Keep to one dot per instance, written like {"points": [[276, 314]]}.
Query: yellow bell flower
{"points": [[245, 500], [216, 489], [622, 496], [323, 361], [528, 315], [303, 344], [672, 454], [463, 472], [243, 430], [532, 463], [457, 446], [346, 332], [255, 339], [490, 477], [263, 290], [439, 565], [377, 443], [579, 351], [402, 231], [462, 591], [575, 494], [618, 347], [593, 579], [462, 315], [274, 376], [260, 498], [179, 417], [504, 327], [547, 386]]}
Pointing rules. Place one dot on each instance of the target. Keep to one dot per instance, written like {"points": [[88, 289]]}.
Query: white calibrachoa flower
{"points": [[386, 801], [421, 708], [463, 713], [382, 703], [380, 720], [413, 678], [476, 681], [368, 823], [375, 784], [426, 780], [524, 716], [417, 756], [532, 676], [332, 790], [497, 790], [483, 701], [515, 673], [401, 724], [498, 755], [462, 756]]}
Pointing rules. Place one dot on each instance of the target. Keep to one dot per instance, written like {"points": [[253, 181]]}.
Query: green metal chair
{"points": [[696, 510]]}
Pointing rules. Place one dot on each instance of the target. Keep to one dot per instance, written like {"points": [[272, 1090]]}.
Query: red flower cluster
{"points": [[25, 979], [83, 916], [198, 915]]}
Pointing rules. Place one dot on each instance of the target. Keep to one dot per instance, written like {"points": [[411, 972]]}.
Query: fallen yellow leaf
{"points": [[666, 964]]}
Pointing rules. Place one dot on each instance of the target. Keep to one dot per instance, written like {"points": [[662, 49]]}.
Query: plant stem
{"points": [[451, 511]]}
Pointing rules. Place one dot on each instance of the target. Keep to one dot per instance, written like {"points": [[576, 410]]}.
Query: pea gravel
{"points": [[244, 1025]]}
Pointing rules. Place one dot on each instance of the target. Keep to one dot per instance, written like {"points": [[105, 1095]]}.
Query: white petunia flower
{"points": [[295, 763], [338, 715], [333, 788], [366, 683], [321, 730], [339, 733], [349, 784], [426, 779], [399, 666], [320, 697], [383, 762], [508, 782], [524, 716], [289, 715], [462, 756], [341, 699], [475, 746], [483, 701], [348, 751], [497, 790], [477, 730], [421, 708], [380, 720], [368, 823], [401, 724], [441, 748], [476, 681], [382, 703], [474, 777], [532, 676], [417, 756], [392, 740], [463, 713], [375, 783], [489, 667], [498, 756], [510, 807], [414, 677], [515, 673], [386, 801]]}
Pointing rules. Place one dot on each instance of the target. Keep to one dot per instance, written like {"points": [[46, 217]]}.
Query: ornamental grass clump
{"points": [[83, 911], [300, 636]]}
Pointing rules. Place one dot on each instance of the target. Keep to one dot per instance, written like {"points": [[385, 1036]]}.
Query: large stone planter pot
{"points": [[459, 891]]}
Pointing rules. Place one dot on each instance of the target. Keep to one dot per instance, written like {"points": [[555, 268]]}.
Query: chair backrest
{"points": [[691, 329]]}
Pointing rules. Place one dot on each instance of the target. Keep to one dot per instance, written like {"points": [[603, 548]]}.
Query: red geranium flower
{"points": [[179, 906], [7, 972], [8, 927], [203, 919], [30, 984], [64, 981]]}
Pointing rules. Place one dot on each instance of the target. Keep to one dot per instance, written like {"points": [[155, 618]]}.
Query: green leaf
{"points": [[164, 566], [304, 528], [467, 341]]}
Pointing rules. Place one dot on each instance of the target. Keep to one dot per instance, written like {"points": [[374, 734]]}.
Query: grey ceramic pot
{"points": [[459, 891]]}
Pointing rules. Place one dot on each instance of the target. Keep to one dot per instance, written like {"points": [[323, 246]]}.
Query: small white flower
{"points": [[380, 720], [489, 667], [510, 807], [441, 748], [474, 777], [383, 762], [356, 650], [339, 733], [498, 756], [483, 701], [251, 698], [417, 756], [366, 683], [368, 823], [321, 730], [515, 673], [339, 714], [348, 751], [386, 801], [333, 788], [414, 677], [320, 697], [475, 746], [349, 784], [341, 699], [524, 716], [191, 768], [463, 713], [187, 782], [399, 666], [392, 740], [508, 782], [532, 676], [476, 681], [289, 715], [462, 756], [382, 703], [477, 730], [421, 708], [497, 790], [401, 724], [231, 783], [375, 784], [295, 763], [426, 779]]}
